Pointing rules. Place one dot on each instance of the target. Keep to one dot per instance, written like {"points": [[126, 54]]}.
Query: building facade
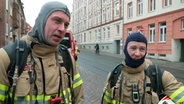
{"points": [[98, 21], [161, 22], [12, 21]]}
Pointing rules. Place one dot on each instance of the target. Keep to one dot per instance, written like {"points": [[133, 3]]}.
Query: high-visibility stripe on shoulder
{"points": [[178, 95]]}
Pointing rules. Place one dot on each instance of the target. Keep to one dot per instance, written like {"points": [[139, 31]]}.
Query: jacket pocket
{"points": [[23, 85]]}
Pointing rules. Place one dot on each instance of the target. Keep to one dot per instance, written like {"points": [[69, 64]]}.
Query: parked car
{"points": [[68, 41]]}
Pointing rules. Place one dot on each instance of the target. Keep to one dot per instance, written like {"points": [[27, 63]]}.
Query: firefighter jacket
{"points": [[46, 75], [135, 77]]}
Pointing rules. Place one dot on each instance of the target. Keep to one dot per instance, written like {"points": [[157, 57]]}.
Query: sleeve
{"points": [[4, 83], [4, 63], [77, 85], [106, 96], [173, 88]]}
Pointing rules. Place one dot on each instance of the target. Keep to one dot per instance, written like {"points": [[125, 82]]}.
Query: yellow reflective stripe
{"points": [[2, 97], [107, 97], [178, 95], [3, 87], [67, 96], [3, 90], [77, 81], [77, 76], [116, 102]]}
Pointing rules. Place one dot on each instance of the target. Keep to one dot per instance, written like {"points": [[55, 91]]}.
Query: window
{"points": [[152, 5], [182, 24], [7, 4], [140, 7], [117, 9], [108, 32], [117, 27], [182, 1], [152, 33], [104, 33], [163, 32], [129, 31], [167, 3], [130, 10]]}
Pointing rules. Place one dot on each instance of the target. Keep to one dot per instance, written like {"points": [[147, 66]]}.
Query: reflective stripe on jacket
{"points": [[178, 95]]}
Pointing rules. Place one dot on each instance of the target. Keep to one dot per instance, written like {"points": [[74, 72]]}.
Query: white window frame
{"points": [[152, 5], [130, 10], [151, 33], [117, 11], [182, 24], [167, 3], [108, 32], [7, 4], [162, 32], [129, 31], [140, 7]]}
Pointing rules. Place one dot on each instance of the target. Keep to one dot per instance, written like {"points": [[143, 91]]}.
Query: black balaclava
{"points": [[47, 9], [138, 37]]}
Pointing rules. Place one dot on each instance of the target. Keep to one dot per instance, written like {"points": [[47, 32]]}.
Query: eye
{"points": [[66, 25], [133, 48], [57, 21], [142, 49]]}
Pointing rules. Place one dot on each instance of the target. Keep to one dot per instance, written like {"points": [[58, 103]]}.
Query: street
{"points": [[94, 69]]}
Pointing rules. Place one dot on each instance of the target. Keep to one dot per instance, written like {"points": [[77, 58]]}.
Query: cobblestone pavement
{"points": [[93, 86]]}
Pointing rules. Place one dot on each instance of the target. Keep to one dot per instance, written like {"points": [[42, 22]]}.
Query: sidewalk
{"points": [[173, 65]]}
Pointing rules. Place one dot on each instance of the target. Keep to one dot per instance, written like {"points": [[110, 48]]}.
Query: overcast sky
{"points": [[32, 8]]}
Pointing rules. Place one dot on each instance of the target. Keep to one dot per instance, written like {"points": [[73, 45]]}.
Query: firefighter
{"points": [[44, 80], [77, 50], [133, 86]]}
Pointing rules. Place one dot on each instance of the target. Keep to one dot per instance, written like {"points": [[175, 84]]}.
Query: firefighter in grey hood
{"points": [[43, 79]]}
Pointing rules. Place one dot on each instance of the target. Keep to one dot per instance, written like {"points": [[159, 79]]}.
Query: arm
{"points": [[77, 85], [4, 83], [173, 88]]}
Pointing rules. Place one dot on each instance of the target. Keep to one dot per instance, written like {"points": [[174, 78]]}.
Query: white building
{"points": [[98, 21]]}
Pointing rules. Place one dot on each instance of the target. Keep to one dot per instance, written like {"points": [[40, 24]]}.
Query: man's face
{"points": [[55, 28], [136, 50]]}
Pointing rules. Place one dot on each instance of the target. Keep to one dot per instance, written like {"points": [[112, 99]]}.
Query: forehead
{"points": [[60, 14], [134, 43]]}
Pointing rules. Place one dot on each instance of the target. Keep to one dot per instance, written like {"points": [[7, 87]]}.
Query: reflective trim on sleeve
{"points": [[107, 97], [178, 95], [3, 92], [77, 80]]}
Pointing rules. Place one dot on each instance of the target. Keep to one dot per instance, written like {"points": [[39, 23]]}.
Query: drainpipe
{"points": [[123, 25]]}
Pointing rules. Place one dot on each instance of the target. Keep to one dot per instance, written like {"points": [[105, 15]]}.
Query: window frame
{"points": [[152, 33], [162, 32]]}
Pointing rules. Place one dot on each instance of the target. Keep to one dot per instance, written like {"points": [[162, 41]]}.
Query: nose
{"points": [[61, 27], [137, 52]]}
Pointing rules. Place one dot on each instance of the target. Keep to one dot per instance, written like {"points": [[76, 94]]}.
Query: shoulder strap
{"points": [[155, 75], [67, 63], [23, 51], [67, 60], [114, 75]]}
